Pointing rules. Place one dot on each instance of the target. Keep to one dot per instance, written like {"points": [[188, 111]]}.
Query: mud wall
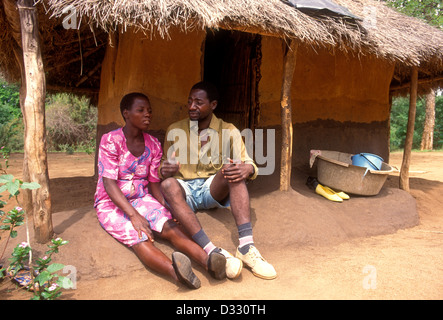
{"points": [[162, 69], [339, 101]]}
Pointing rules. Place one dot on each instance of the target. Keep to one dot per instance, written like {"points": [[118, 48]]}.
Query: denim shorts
{"points": [[198, 195]]}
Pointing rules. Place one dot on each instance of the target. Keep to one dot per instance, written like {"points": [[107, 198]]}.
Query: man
{"points": [[199, 174]]}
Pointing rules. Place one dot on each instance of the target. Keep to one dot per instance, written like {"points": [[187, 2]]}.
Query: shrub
{"points": [[399, 122], [70, 123], [11, 124]]}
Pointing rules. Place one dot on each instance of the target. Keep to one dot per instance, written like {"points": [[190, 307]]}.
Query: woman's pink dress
{"points": [[133, 175]]}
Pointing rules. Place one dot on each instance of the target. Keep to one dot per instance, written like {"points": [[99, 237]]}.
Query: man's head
{"points": [[202, 101]]}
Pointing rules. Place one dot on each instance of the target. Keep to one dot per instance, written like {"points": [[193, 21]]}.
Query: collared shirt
{"points": [[197, 161]]}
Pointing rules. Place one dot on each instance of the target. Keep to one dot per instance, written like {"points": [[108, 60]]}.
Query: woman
{"points": [[127, 162]]}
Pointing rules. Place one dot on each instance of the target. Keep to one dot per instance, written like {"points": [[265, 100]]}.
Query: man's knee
{"points": [[170, 187], [168, 184]]}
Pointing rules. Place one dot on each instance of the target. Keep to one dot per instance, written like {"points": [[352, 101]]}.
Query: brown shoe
{"points": [[217, 265], [183, 270]]}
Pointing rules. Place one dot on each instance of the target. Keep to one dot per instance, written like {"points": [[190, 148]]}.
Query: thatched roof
{"points": [[382, 32], [72, 58]]}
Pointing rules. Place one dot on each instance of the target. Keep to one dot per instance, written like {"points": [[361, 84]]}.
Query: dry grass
{"points": [[382, 32]]}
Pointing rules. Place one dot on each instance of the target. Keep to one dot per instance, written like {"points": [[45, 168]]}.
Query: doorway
{"points": [[232, 63]]}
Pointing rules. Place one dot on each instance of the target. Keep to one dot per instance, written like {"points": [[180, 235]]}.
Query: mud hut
{"points": [[323, 78], [345, 70]]}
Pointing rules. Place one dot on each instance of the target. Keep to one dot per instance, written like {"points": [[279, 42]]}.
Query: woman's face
{"points": [[140, 114]]}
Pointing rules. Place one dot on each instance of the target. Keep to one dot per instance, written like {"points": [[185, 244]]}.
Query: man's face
{"points": [[199, 106]]}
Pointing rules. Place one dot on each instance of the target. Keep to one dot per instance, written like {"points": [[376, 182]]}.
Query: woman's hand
{"points": [[141, 225]]}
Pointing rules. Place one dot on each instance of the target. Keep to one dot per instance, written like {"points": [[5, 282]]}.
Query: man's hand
{"points": [[170, 167], [236, 172]]}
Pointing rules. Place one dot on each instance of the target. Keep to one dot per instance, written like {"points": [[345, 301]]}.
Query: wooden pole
{"points": [[286, 115], [13, 18], [404, 171], [34, 115]]}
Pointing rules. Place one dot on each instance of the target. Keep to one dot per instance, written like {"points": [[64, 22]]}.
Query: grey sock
{"points": [[245, 237], [203, 241]]}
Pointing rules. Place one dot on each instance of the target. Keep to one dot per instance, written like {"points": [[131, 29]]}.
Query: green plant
{"points": [[70, 122], [399, 121], [44, 282], [11, 123], [13, 218]]}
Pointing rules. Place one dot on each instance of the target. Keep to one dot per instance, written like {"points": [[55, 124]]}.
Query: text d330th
{"points": [[237, 309]]}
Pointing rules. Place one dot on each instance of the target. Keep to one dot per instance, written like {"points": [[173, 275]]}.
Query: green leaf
{"points": [[43, 277], [30, 185], [55, 267], [65, 282], [6, 178], [13, 187]]}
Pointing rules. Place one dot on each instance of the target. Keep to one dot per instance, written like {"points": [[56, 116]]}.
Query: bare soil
{"points": [[383, 247]]}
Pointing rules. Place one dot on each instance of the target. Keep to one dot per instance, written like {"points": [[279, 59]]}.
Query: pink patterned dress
{"points": [[133, 175]]}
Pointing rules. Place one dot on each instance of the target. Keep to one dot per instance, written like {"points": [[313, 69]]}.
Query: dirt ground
{"points": [[383, 247]]}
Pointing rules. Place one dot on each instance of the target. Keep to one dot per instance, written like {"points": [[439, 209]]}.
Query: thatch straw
{"points": [[268, 17], [383, 32], [390, 34], [60, 48], [399, 37]]}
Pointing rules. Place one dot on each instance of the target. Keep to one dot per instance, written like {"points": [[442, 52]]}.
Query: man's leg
{"points": [[175, 196], [240, 207]]}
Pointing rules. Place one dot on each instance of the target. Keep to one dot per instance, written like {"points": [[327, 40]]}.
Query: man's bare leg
{"points": [[238, 194], [176, 198]]}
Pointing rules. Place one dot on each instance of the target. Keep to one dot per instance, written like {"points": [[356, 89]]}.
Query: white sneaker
{"points": [[259, 266], [233, 264]]}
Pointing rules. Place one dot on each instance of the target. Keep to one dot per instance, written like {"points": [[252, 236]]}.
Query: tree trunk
{"points": [[34, 117], [427, 139], [404, 171], [286, 115]]}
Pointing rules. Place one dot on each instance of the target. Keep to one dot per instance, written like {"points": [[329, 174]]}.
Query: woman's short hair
{"points": [[128, 100]]}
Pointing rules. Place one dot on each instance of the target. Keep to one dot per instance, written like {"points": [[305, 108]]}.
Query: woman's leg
{"points": [[179, 269], [182, 242], [154, 258]]}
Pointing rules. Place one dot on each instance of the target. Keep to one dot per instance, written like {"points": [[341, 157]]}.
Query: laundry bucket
{"points": [[367, 160]]}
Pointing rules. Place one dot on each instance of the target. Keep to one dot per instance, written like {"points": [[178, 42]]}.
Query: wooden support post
{"points": [[286, 115], [34, 117], [404, 171]]}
